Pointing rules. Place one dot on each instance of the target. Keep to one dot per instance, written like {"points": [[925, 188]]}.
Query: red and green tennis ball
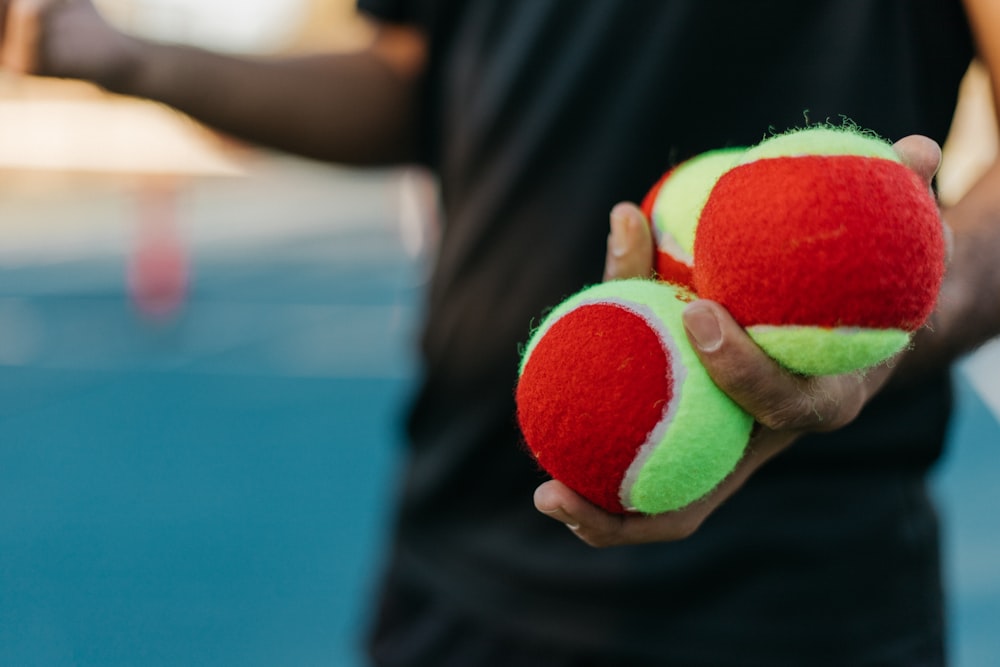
{"points": [[673, 206], [824, 246], [613, 401]]}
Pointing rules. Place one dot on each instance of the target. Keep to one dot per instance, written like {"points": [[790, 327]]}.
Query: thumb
{"points": [[921, 154], [777, 399], [630, 244]]}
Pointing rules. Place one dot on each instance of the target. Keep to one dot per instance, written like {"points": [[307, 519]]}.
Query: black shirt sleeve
{"points": [[412, 12]]}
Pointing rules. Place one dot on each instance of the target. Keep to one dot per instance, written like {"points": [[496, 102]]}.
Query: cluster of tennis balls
{"points": [[821, 244]]}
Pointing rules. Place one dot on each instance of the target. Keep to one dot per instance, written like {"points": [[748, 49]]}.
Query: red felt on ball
{"points": [[669, 269], [599, 370], [818, 240]]}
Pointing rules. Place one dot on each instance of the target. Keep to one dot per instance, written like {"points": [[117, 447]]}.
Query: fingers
{"points": [[599, 528], [778, 400], [4, 7], [921, 154], [630, 244], [602, 529], [742, 370], [19, 48]]}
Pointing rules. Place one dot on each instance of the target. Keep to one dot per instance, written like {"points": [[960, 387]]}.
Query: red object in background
{"points": [[158, 271]]}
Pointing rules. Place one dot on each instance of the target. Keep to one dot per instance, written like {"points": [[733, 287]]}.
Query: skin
{"points": [[277, 103], [268, 101]]}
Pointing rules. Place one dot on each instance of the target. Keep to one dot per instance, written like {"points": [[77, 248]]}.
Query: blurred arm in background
{"points": [[363, 113]]}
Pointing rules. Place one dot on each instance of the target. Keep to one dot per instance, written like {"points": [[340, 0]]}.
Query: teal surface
{"points": [[216, 491], [213, 491], [968, 490]]}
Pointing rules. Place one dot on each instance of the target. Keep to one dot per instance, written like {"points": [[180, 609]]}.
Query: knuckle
{"points": [[821, 404], [686, 528], [789, 413], [843, 413], [609, 532], [598, 540], [670, 527], [675, 526], [841, 399]]}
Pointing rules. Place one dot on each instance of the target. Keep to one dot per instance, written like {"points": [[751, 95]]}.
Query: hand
{"points": [[785, 406], [62, 38]]}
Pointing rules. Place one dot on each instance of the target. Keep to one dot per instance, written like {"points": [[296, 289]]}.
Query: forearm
{"points": [[356, 107], [968, 309], [350, 107]]}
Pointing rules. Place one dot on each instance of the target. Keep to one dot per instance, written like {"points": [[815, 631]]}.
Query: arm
{"points": [[354, 107], [967, 315]]}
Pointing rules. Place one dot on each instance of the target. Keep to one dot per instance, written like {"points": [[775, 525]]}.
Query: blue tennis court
{"points": [[215, 490]]}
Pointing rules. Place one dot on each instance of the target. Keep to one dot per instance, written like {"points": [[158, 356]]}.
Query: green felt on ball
{"points": [[822, 140], [828, 351], [614, 402]]}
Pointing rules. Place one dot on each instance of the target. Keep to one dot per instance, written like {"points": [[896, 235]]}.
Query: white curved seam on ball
{"points": [[677, 377], [668, 243]]}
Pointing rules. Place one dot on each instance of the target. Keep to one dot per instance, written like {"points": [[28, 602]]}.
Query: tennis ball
{"points": [[613, 401], [824, 246], [673, 206]]}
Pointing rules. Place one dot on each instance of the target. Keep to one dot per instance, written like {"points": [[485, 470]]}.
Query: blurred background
{"points": [[204, 354]]}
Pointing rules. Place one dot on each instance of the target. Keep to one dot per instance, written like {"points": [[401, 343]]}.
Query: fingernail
{"points": [[568, 519], [559, 514], [570, 522], [703, 325]]}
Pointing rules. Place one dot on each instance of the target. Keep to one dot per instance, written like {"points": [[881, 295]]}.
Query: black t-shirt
{"points": [[538, 116]]}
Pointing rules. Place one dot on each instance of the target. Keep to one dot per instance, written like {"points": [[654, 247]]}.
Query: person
{"points": [[538, 117]]}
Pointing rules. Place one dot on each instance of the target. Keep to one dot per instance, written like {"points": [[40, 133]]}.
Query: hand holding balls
{"points": [[820, 242]]}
